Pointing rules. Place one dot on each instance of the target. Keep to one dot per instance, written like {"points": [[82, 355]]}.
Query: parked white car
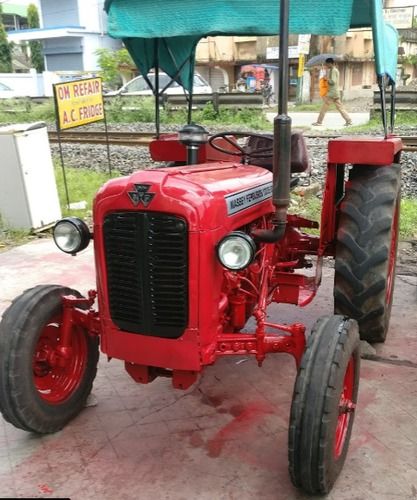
{"points": [[6, 91], [138, 86]]}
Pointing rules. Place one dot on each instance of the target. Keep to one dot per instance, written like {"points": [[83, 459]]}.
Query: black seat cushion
{"points": [[299, 155]]}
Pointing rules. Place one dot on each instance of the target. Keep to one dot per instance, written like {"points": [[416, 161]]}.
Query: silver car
{"points": [[138, 86]]}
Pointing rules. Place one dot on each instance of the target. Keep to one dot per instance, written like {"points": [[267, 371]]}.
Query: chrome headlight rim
{"points": [[236, 235], [81, 233]]}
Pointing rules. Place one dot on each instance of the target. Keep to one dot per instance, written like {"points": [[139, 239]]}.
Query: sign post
{"points": [[78, 102], [303, 49]]}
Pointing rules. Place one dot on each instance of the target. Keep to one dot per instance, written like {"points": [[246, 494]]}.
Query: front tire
{"points": [[366, 250], [324, 400], [37, 394]]}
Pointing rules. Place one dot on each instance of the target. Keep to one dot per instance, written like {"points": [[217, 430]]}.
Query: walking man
{"points": [[333, 94]]}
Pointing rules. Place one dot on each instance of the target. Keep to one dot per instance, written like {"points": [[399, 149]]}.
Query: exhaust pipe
{"points": [[282, 141]]}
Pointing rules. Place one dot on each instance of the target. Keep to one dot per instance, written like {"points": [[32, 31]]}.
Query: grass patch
{"points": [[12, 237], [310, 208], [314, 106], [403, 119], [307, 206], [408, 218], [26, 110], [82, 186]]}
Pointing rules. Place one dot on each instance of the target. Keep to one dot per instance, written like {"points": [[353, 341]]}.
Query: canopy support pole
{"points": [[190, 96], [393, 99], [381, 85], [282, 139], [156, 90]]}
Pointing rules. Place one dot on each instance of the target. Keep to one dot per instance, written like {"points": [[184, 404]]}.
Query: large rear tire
{"points": [[324, 400], [366, 250], [36, 394]]}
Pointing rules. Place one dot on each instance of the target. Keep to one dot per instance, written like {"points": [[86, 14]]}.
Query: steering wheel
{"points": [[242, 151]]}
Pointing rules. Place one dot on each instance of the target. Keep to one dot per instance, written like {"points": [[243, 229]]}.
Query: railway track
{"points": [[410, 143], [115, 138], [144, 138]]}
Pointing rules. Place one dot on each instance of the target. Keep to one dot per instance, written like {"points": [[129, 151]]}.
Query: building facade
{"points": [[219, 59], [71, 31]]}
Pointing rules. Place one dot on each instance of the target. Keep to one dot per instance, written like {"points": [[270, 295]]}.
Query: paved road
{"points": [[332, 120], [226, 437]]}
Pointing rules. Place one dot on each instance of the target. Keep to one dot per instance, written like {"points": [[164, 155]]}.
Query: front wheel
{"points": [[323, 404], [36, 393]]}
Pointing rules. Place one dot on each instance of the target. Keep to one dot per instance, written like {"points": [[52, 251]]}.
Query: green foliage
{"points": [[139, 109], [410, 59], [253, 119], [36, 53], [5, 49], [33, 16], [111, 62], [208, 112]]}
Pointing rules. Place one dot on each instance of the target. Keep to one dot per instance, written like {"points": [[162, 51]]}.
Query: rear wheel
{"points": [[323, 404], [36, 393], [366, 250]]}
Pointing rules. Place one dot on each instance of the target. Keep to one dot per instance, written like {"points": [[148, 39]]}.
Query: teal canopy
{"points": [[167, 31]]}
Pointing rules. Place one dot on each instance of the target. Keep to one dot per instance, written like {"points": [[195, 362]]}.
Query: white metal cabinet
{"points": [[28, 192]]}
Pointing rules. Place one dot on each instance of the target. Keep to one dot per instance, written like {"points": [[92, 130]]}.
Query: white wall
{"points": [[93, 42], [33, 84], [92, 15], [24, 84]]}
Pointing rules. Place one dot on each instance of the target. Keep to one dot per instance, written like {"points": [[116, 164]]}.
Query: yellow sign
{"points": [[301, 60], [79, 102]]}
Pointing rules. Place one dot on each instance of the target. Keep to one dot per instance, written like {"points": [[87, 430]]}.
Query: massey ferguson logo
{"points": [[141, 195]]}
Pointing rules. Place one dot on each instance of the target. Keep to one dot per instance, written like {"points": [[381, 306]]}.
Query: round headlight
{"points": [[236, 250], [71, 235]]}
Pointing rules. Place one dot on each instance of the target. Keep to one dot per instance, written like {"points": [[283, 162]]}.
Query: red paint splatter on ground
{"points": [[244, 417], [44, 488]]}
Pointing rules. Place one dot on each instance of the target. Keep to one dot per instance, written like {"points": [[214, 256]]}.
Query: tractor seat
{"points": [[299, 155]]}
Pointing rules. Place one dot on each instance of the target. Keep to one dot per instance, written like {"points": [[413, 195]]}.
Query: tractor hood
{"points": [[208, 195]]}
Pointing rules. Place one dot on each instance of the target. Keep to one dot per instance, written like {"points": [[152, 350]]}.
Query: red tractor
{"points": [[186, 254]]}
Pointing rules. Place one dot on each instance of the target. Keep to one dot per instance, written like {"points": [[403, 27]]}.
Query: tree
{"points": [[36, 53], [112, 63], [5, 48]]}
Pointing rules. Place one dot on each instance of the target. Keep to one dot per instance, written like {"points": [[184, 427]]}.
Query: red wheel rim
{"points": [[346, 408], [56, 383], [392, 256]]}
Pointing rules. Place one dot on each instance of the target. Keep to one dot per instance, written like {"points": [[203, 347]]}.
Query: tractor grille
{"points": [[147, 272]]}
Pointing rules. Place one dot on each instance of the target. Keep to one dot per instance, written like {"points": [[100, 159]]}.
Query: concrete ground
{"points": [[332, 121], [224, 438]]}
